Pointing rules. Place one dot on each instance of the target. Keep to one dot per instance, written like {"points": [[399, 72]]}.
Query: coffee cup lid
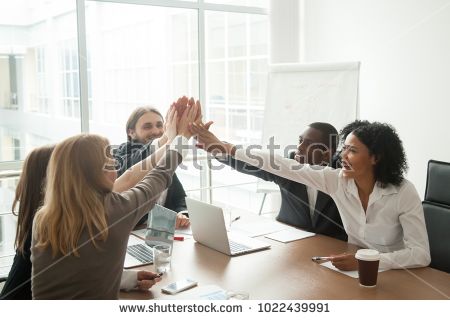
{"points": [[367, 254]]}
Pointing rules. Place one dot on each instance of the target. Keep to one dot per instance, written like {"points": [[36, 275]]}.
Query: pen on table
{"points": [[178, 238], [317, 259], [235, 219]]}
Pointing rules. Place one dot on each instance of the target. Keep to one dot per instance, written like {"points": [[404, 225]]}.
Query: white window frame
{"points": [[41, 79], [201, 6]]}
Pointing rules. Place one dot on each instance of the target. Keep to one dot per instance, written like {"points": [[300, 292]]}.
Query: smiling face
{"points": [[311, 148], [357, 162], [148, 127]]}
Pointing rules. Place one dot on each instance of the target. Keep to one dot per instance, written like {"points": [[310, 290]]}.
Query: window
{"points": [[70, 79], [136, 55], [236, 71], [10, 64], [10, 142], [250, 3], [42, 91], [39, 91], [142, 55]]}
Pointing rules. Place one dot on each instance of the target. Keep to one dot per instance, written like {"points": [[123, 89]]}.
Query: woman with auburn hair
{"points": [[29, 197], [81, 232], [380, 209]]}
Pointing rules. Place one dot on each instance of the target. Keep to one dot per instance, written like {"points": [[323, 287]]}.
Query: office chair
{"points": [[436, 206]]}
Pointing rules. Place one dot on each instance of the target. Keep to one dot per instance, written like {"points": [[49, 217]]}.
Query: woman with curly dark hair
{"points": [[384, 144], [379, 208], [373, 157]]}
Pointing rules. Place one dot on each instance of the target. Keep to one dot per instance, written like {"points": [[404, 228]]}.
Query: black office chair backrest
{"points": [[437, 213], [438, 182]]}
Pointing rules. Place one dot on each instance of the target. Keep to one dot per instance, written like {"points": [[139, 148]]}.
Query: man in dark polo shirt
{"points": [[145, 134]]}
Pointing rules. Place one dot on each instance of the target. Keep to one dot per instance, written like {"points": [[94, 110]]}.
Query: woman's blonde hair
{"points": [[74, 198]]}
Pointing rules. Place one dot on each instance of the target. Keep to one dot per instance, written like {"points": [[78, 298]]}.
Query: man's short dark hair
{"points": [[329, 134]]}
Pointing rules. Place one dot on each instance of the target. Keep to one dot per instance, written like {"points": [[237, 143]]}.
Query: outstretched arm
{"points": [[324, 179]]}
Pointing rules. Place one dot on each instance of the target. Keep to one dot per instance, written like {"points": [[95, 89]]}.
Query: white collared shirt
{"points": [[393, 223], [312, 199]]}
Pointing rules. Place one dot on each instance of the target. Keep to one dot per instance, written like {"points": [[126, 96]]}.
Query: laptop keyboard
{"points": [[237, 247], [141, 252]]}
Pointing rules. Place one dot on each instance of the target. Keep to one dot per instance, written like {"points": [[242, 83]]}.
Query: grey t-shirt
{"points": [[96, 273]]}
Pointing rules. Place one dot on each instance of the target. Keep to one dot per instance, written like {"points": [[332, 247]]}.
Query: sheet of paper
{"points": [[289, 235], [184, 231], [258, 228], [353, 274], [139, 233]]}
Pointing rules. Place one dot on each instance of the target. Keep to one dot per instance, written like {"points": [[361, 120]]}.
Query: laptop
{"points": [[208, 228], [138, 253], [160, 230]]}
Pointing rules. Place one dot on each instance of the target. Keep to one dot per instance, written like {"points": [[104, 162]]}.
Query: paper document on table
{"points": [[187, 231], [353, 274], [140, 233], [258, 228], [290, 234]]}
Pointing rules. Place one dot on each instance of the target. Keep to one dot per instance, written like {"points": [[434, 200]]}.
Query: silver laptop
{"points": [[138, 253], [160, 230], [208, 228]]}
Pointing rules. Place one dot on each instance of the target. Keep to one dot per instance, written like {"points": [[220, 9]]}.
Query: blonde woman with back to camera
{"points": [[80, 234]]}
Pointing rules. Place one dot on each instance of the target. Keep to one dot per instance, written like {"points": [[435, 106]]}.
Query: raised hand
{"points": [[208, 141], [170, 126], [191, 102], [188, 117], [181, 105], [198, 118]]}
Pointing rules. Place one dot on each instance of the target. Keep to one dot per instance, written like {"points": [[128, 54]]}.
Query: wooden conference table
{"points": [[285, 271]]}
